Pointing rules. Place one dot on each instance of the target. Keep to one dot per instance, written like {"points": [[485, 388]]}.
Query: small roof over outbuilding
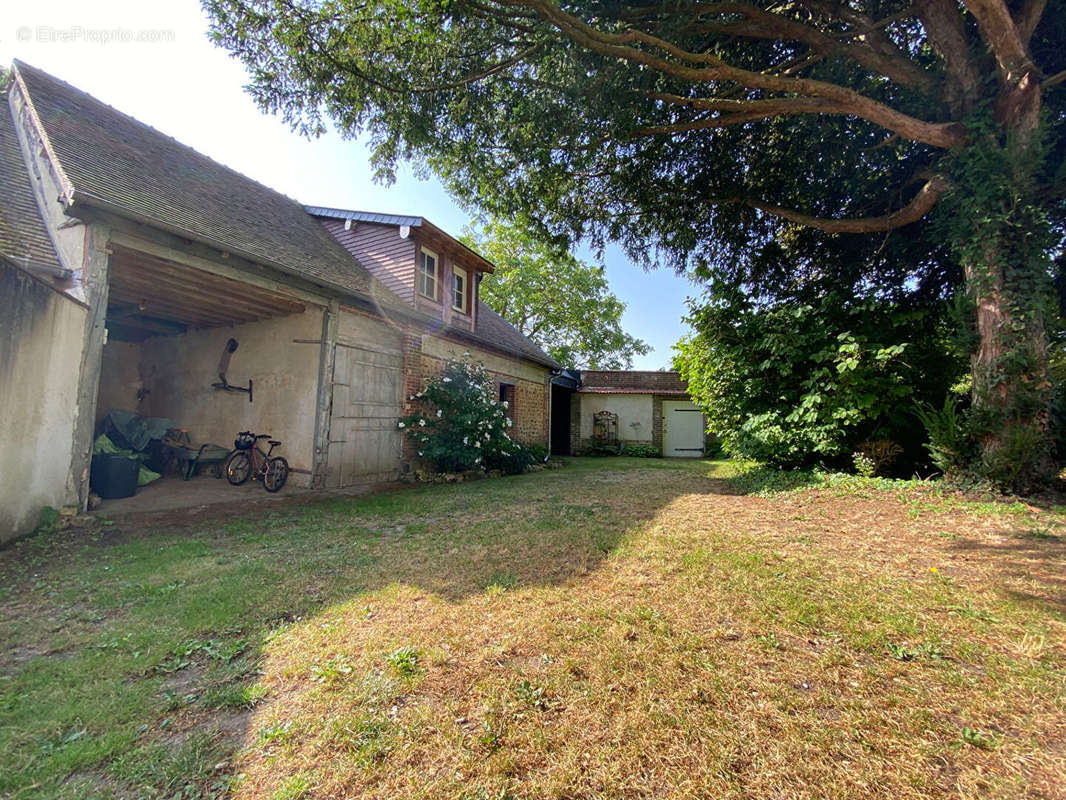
{"points": [[610, 381]]}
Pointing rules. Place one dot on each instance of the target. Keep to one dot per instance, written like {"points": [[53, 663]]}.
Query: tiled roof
{"points": [[364, 216], [608, 381], [22, 232], [133, 168], [614, 390], [496, 332]]}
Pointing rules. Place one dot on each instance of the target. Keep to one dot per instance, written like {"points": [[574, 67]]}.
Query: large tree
{"points": [[712, 130], [561, 303]]}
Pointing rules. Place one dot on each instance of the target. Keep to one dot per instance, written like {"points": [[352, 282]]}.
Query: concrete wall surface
{"points": [[41, 341], [280, 356], [635, 415]]}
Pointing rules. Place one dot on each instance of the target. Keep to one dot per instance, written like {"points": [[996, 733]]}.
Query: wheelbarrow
{"points": [[189, 458]]}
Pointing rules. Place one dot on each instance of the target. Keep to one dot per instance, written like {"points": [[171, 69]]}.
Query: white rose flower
{"points": [[402, 425], [420, 452], [421, 423], [477, 444], [466, 440], [440, 413], [446, 379]]}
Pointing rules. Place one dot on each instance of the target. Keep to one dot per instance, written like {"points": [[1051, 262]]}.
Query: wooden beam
{"points": [[171, 308], [204, 290]]}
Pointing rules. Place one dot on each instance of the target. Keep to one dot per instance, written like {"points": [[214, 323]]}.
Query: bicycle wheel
{"points": [[238, 467], [277, 472]]}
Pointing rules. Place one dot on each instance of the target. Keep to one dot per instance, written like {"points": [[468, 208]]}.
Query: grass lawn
{"points": [[620, 628]]}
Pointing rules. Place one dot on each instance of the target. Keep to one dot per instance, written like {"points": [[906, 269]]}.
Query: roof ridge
{"points": [[92, 98], [35, 118]]}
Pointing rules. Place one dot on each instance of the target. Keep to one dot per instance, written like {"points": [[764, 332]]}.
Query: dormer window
{"points": [[427, 274], [460, 281]]}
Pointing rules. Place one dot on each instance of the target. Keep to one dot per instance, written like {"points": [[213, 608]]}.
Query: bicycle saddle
{"points": [[273, 443]]}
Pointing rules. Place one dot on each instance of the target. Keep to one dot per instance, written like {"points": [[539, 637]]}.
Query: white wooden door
{"points": [[364, 440], [682, 429]]}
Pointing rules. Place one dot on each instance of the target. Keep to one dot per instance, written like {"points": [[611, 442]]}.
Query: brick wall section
{"points": [[412, 383], [530, 407], [531, 413], [575, 424]]}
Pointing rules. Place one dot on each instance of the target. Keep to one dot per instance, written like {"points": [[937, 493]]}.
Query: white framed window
{"points": [[427, 274], [459, 284]]}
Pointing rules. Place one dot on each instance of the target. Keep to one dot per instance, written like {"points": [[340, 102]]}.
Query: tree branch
{"points": [[917, 208], [619, 45], [1028, 17], [998, 30], [1054, 80], [760, 24], [735, 112], [947, 33]]}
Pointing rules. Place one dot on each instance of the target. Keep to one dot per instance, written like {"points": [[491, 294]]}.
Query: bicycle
{"points": [[249, 461]]}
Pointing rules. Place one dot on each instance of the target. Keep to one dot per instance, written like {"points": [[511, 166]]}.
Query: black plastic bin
{"points": [[112, 476]]}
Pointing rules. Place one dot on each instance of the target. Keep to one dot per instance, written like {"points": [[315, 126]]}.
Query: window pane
{"points": [[427, 276], [459, 291]]}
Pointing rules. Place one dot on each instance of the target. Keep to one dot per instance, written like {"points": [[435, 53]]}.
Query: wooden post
{"points": [[324, 405], [97, 268]]}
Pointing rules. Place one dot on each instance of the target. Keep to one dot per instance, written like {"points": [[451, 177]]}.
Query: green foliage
{"points": [[406, 661], [601, 447], [536, 112], [950, 444], [47, 521], [561, 303], [864, 465], [460, 425], [1002, 234], [640, 451], [798, 384], [512, 461]]}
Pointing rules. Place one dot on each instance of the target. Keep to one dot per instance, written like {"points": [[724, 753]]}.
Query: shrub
{"points": [[640, 451], [804, 382], [460, 425], [950, 445], [513, 461], [599, 447], [875, 458]]}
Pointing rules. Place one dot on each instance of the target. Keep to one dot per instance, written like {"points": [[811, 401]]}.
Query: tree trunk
{"points": [[1006, 266], [1011, 390]]}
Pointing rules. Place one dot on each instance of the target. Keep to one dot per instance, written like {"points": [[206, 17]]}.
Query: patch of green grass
{"points": [[405, 661], [297, 787], [635, 606], [365, 739]]}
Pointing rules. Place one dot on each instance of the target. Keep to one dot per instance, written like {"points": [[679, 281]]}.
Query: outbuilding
{"points": [[636, 408]]}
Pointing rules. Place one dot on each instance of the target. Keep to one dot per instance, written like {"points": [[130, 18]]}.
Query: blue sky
{"points": [[185, 87]]}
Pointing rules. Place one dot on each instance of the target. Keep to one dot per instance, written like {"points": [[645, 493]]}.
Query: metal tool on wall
{"points": [[223, 367]]}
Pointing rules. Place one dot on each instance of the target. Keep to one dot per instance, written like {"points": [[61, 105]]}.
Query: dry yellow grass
{"points": [[637, 631]]}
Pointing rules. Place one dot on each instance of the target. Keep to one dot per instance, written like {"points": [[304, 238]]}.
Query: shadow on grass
{"points": [[131, 654], [1033, 555]]}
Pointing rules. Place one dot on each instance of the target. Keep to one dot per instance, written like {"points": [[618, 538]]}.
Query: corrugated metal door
{"points": [[364, 441]]}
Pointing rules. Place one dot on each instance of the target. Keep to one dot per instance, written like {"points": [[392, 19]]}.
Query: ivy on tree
{"points": [[704, 133], [561, 303]]}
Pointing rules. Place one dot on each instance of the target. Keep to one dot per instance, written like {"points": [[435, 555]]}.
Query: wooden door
{"points": [[364, 440]]}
